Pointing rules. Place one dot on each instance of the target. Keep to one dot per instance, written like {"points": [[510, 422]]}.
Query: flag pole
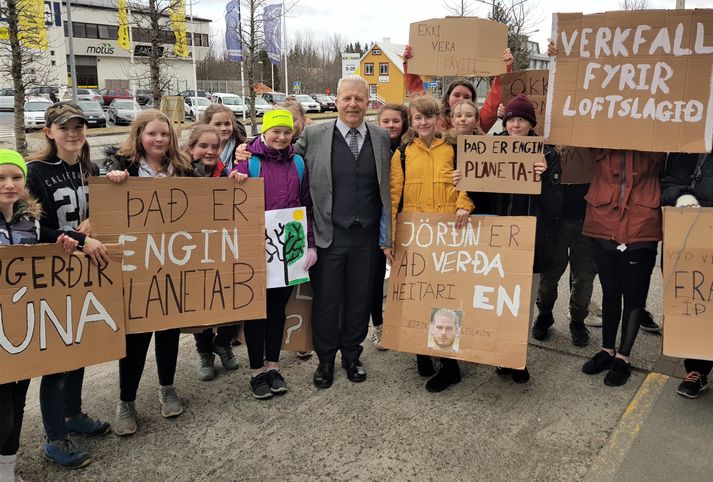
{"points": [[195, 71], [284, 46]]}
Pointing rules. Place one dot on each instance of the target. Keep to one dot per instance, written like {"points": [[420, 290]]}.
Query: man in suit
{"points": [[349, 169]]}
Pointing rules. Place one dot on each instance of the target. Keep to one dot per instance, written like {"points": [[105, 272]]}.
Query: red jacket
{"points": [[624, 198]]}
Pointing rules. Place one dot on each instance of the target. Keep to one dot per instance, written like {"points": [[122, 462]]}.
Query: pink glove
{"points": [[310, 258]]}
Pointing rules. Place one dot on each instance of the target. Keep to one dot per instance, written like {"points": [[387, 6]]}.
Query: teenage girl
{"points": [[232, 132], [151, 150], [58, 178]]}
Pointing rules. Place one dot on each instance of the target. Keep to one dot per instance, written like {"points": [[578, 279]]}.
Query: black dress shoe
{"points": [[324, 375], [355, 370]]}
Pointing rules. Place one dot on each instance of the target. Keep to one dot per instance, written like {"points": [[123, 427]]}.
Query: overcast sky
{"points": [[372, 20]]}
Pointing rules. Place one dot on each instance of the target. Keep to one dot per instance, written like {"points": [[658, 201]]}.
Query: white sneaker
{"points": [[170, 403], [376, 337], [125, 419], [595, 315]]}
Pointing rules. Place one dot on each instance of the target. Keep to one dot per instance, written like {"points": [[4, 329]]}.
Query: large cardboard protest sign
{"points": [[286, 246], [194, 249], [632, 80], [577, 165], [58, 311], [532, 83], [461, 294], [688, 283], [457, 46], [500, 163], [298, 319]]}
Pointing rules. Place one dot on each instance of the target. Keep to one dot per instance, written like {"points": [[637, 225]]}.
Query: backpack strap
{"points": [[300, 165], [402, 150], [254, 166], [455, 156]]}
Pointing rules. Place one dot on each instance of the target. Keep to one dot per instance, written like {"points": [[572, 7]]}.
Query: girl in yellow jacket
{"points": [[421, 181]]}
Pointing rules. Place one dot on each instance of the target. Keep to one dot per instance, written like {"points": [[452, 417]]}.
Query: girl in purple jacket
{"points": [[286, 186]]}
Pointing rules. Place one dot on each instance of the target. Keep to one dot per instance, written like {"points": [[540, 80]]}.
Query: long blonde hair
{"points": [[132, 148], [451, 136]]}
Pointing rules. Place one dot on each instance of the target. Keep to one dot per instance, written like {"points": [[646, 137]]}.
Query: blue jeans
{"points": [[60, 397]]}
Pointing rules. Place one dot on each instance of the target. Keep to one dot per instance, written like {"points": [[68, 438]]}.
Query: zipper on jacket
{"points": [[622, 186]]}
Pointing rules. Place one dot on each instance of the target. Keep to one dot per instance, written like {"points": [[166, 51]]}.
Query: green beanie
{"points": [[277, 118], [8, 156]]}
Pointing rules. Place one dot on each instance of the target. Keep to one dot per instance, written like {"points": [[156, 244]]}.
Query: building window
{"points": [[92, 30], [369, 69], [376, 52], [79, 30], [383, 68]]}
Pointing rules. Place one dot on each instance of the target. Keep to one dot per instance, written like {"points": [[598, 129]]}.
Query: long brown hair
{"points": [[213, 109], [132, 148], [49, 153], [425, 105], [445, 107], [196, 133], [401, 109]]}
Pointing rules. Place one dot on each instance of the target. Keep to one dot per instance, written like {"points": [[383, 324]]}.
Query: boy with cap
{"points": [[20, 225], [286, 186]]}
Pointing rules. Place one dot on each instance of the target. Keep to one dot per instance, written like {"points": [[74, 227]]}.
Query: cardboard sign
{"points": [[638, 80], [577, 165], [688, 283], [286, 246], [500, 163], [458, 46], [194, 249], [461, 294], [532, 83], [298, 322], [58, 312]]}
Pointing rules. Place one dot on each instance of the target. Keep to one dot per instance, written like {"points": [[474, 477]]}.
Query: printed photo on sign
{"points": [[286, 246], [444, 330]]}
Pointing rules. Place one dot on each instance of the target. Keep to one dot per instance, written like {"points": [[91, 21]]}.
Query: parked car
{"points": [[143, 96], [274, 97], [195, 106], [48, 92], [231, 101], [123, 111], [308, 103], [93, 113], [84, 94], [326, 103], [7, 99], [194, 93], [35, 109], [108, 95], [261, 106]]}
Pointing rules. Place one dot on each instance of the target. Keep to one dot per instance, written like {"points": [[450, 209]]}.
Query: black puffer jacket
{"points": [[546, 207], [681, 177]]}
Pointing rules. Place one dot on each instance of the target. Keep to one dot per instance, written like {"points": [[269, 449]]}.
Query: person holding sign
{"points": [[232, 132], [150, 150], [203, 148], [286, 186], [421, 173], [688, 182], [58, 179], [21, 214], [519, 119]]}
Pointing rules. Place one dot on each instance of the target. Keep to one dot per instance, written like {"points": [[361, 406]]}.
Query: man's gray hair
{"points": [[353, 79], [446, 313]]}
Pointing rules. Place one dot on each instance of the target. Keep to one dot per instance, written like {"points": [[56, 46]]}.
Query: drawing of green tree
{"points": [[290, 247]]}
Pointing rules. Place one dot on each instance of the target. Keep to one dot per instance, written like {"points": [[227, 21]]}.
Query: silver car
{"points": [[123, 111], [7, 99], [84, 94], [261, 106], [308, 103], [35, 113]]}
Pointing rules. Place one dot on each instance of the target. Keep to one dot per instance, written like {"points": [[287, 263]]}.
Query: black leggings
{"points": [[207, 338], [264, 337], [377, 299], [132, 367], [12, 409], [624, 275]]}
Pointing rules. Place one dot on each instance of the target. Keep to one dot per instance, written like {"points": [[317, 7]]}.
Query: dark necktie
{"points": [[354, 142]]}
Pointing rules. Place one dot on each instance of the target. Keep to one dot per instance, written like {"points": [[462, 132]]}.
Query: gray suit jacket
{"points": [[315, 146]]}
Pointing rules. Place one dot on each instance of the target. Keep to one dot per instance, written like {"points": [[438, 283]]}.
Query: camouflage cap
{"points": [[61, 112]]}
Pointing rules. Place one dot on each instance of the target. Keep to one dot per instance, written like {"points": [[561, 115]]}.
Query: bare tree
{"points": [[521, 17], [459, 8], [25, 65], [634, 4]]}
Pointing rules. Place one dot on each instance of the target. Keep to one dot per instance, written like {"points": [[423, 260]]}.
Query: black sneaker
{"points": [[443, 379], [520, 376], [541, 327], [425, 365], [648, 324], [693, 385], [580, 334], [618, 374], [277, 383], [260, 385], [598, 363]]}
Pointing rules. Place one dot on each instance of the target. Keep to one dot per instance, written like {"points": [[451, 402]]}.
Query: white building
{"points": [[100, 62], [538, 61]]}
